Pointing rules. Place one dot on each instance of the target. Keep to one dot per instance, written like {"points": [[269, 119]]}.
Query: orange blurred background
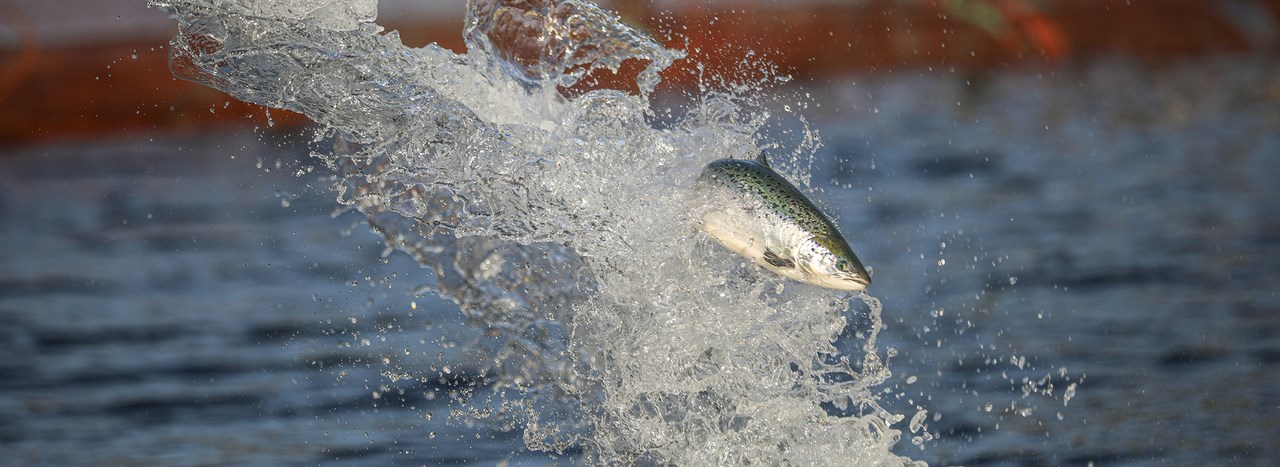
{"points": [[76, 69]]}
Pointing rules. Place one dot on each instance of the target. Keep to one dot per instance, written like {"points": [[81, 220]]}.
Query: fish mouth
{"points": [[859, 280], [849, 282], [857, 283], [859, 275]]}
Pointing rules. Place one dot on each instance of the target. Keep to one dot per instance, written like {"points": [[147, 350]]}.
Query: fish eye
{"points": [[842, 265]]}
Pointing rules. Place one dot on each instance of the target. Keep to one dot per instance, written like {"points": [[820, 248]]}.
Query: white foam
{"points": [[560, 223]]}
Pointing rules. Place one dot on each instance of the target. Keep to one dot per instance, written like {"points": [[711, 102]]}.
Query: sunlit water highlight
{"points": [[558, 225]]}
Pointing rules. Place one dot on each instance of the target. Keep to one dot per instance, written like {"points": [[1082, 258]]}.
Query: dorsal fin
{"points": [[762, 160]]}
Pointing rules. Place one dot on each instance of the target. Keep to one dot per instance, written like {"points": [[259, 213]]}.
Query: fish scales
{"points": [[779, 195], [758, 214]]}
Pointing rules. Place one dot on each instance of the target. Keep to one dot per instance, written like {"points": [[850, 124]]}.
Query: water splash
{"points": [[558, 43], [558, 224]]}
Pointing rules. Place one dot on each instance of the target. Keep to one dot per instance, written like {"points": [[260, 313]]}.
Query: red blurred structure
{"points": [[60, 78]]}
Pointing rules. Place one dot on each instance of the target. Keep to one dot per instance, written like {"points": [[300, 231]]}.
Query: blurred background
{"points": [[83, 68], [1068, 204]]}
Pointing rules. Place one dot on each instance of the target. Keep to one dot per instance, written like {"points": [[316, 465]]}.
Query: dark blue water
{"points": [[1111, 226], [163, 305], [191, 300]]}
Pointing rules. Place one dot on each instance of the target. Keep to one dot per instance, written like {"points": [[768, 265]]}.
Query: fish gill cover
{"points": [[558, 225]]}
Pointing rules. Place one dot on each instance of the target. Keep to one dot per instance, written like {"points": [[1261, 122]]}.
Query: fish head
{"points": [[835, 268]]}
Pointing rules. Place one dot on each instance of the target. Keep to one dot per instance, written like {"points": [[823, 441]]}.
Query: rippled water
{"points": [[190, 301], [1111, 222], [1073, 264]]}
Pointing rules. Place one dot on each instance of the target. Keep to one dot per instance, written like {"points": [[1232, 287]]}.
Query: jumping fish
{"points": [[749, 208]]}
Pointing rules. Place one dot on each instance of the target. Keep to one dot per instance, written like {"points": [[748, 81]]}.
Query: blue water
{"points": [[191, 300], [162, 306], [1109, 225]]}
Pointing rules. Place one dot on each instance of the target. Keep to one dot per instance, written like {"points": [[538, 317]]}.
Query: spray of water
{"points": [[559, 224]]}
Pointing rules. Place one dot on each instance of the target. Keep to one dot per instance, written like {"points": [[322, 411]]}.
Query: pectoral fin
{"points": [[778, 261]]}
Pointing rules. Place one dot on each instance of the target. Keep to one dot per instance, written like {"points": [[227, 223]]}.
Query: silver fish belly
{"points": [[755, 212]]}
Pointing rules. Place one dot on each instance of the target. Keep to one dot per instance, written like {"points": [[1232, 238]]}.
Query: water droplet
{"points": [[917, 421]]}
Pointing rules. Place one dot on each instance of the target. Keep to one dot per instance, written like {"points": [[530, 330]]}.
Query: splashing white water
{"points": [[559, 223]]}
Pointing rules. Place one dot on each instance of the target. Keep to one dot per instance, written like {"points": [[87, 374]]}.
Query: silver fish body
{"points": [[755, 212]]}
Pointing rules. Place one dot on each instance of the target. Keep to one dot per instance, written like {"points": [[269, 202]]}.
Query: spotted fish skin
{"points": [[751, 209]]}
